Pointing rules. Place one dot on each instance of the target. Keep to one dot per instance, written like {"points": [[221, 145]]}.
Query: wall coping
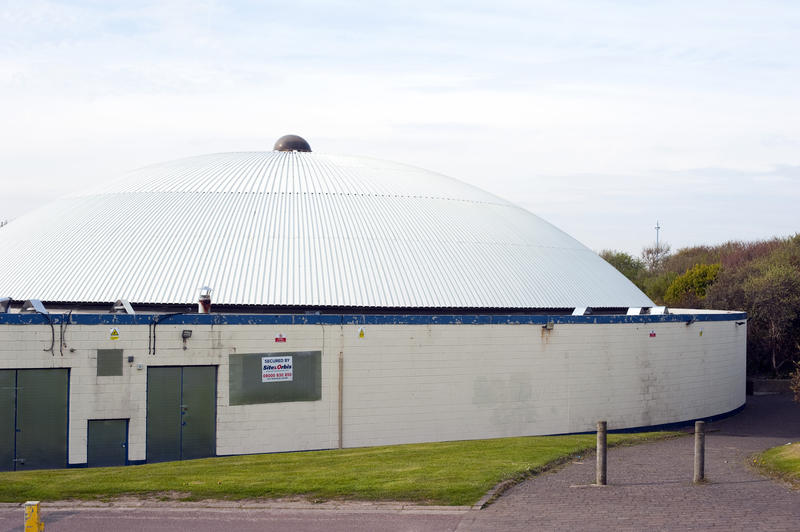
{"points": [[357, 319]]}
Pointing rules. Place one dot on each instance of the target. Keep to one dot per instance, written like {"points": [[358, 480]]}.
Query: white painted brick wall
{"points": [[411, 383]]}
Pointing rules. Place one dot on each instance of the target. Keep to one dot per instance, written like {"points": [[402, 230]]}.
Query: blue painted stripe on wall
{"points": [[353, 319]]}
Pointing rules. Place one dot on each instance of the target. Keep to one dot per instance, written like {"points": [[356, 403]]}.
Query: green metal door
{"points": [[163, 414], [41, 431], [198, 410], [108, 442], [8, 409], [181, 412]]}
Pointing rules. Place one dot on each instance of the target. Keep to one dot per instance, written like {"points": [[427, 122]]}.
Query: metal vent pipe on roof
{"points": [[204, 303]]}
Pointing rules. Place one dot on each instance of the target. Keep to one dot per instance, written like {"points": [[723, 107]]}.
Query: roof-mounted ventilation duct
{"points": [[204, 303], [5, 304], [122, 305], [34, 305], [658, 311], [635, 311], [582, 311]]}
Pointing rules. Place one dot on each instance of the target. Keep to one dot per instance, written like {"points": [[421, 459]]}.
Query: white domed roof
{"points": [[301, 229]]}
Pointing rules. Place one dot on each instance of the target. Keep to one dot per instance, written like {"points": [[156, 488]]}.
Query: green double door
{"points": [[33, 418], [181, 412]]}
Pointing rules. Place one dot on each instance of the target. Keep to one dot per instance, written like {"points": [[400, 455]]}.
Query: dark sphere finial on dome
{"points": [[291, 143]]}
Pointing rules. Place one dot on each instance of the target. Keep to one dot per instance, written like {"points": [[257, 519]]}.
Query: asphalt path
{"points": [[649, 489], [650, 486]]}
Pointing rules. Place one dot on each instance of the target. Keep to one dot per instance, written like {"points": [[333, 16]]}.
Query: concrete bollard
{"points": [[601, 453], [699, 451], [33, 521]]}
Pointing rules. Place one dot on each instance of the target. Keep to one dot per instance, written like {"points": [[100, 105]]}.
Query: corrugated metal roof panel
{"points": [[304, 229]]}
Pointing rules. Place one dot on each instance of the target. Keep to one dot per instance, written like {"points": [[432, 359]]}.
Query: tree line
{"points": [[761, 278]]}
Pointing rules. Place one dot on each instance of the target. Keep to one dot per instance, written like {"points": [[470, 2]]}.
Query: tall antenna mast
{"points": [[657, 228]]}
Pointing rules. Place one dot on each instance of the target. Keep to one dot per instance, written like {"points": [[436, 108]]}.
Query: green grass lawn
{"points": [[782, 461], [449, 473]]}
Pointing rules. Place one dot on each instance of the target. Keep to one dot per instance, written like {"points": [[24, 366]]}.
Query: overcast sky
{"points": [[601, 117]]}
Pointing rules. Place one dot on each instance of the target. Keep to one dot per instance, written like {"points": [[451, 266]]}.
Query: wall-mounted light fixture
{"points": [[186, 334]]}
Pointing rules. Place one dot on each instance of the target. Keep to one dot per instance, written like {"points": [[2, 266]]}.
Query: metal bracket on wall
{"points": [[122, 305], [34, 305]]}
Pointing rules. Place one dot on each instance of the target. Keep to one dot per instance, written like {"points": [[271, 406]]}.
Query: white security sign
{"points": [[276, 369]]}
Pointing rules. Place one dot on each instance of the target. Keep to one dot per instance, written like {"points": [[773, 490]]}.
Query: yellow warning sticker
{"points": [[114, 334], [361, 332]]}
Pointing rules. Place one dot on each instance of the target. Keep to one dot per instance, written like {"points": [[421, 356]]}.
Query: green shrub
{"points": [[795, 381], [774, 310], [655, 286], [628, 265], [766, 284], [689, 290]]}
